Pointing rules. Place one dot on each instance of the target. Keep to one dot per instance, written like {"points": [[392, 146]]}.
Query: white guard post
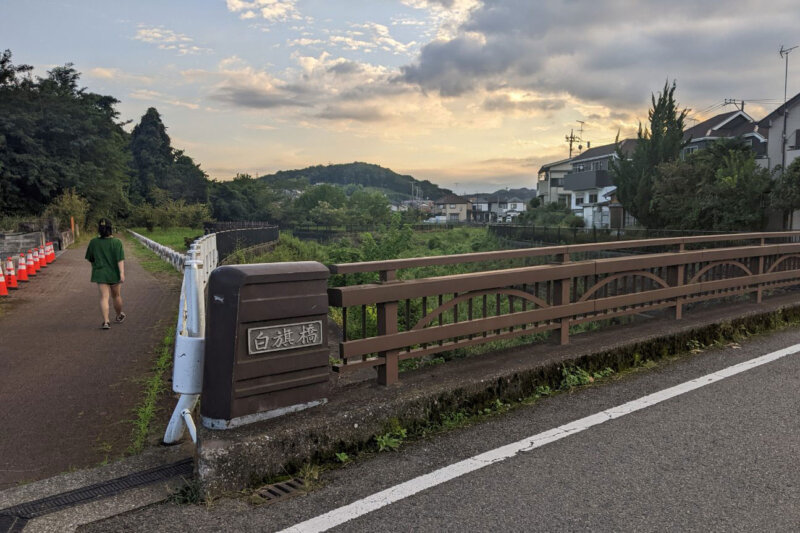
{"points": [[187, 375]]}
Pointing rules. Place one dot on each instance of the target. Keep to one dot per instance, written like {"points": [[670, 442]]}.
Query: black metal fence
{"points": [[561, 235], [237, 239]]}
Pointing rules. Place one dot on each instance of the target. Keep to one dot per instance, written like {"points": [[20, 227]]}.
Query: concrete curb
{"points": [[355, 413]]}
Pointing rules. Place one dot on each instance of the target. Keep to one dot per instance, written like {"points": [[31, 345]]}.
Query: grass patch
{"points": [[154, 388], [149, 260], [176, 238]]}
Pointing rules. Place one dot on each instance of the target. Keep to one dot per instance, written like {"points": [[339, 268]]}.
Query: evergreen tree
{"points": [[661, 143], [152, 156]]}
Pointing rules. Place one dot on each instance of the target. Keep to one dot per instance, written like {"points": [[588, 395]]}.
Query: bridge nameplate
{"points": [[283, 337]]}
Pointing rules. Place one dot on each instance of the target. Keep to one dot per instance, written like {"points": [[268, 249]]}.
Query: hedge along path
{"points": [[67, 388]]}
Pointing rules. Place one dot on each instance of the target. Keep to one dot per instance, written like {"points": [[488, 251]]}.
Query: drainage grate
{"points": [[11, 517], [280, 491]]}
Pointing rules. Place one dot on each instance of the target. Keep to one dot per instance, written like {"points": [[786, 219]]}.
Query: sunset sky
{"points": [[472, 95]]}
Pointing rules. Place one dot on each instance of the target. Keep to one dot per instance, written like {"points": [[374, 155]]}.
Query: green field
{"points": [[175, 237]]}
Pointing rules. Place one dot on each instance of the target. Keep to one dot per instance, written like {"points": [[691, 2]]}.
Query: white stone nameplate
{"points": [[283, 337]]}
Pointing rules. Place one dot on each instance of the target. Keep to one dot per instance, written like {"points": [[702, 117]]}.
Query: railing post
{"points": [[561, 297], [387, 325], [675, 278], [760, 289]]}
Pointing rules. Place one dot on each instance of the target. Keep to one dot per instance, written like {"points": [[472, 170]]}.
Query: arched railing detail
{"points": [[649, 275], [435, 313], [706, 268]]}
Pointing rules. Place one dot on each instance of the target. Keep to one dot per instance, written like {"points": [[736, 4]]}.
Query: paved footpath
{"points": [[67, 388]]}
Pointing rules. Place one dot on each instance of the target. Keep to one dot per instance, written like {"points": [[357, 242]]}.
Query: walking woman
{"points": [[108, 269]]}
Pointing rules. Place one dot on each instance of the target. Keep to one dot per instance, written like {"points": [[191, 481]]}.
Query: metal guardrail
{"points": [[386, 322]]}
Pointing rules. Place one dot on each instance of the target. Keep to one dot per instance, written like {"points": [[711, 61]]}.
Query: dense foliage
{"points": [[55, 137], [719, 188], [635, 175]]}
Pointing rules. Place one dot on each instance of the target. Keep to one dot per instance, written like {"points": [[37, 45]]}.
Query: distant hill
{"points": [[524, 194], [394, 185]]}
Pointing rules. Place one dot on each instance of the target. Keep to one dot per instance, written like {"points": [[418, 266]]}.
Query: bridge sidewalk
{"points": [[68, 388]]}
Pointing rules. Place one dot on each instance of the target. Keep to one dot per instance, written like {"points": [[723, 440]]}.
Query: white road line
{"points": [[409, 488]]}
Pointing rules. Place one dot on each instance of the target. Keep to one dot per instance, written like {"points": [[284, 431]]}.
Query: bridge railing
{"points": [[394, 319]]}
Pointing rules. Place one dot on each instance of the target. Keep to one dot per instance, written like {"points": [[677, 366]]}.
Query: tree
{"points": [[244, 198], [720, 187], [368, 207], [662, 143], [56, 136], [785, 195], [152, 156]]}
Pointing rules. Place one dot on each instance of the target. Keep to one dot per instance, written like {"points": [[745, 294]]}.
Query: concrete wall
{"points": [[15, 243]]}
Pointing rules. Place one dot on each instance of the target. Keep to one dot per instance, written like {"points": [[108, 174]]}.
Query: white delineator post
{"points": [[187, 374]]}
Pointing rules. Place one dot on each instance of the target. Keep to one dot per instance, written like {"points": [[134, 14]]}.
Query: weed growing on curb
{"points": [[154, 387], [188, 493], [342, 457]]}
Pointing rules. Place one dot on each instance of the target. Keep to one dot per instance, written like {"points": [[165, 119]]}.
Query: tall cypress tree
{"points": [[152, 156], [662, 143]]}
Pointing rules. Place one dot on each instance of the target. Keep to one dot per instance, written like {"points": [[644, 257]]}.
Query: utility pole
{"points": [[735, 102], [784, 53], [572, 138]]}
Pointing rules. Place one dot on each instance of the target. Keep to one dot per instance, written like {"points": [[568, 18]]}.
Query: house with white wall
{"points": [[549, 188]]}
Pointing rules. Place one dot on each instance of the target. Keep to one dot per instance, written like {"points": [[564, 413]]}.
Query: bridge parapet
{"points": [[394, 319]]}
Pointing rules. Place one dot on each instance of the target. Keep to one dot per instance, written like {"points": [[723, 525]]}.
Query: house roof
{"points": [[548, 166], [452, 199], [626, 145], [732, 124], [764, 122]]}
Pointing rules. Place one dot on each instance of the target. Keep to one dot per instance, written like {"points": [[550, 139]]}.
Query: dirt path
{"points": [[67, 388]]}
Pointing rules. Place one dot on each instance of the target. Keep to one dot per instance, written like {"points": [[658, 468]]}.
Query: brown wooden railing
{"points": [[397, 319]]}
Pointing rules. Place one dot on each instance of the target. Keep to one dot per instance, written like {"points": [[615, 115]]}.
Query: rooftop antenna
{"points": [[784, 53]]}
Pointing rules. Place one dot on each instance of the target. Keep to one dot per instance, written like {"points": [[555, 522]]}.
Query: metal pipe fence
{"points": [[197, 263]]}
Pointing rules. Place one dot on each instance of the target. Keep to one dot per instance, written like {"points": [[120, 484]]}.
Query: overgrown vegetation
{"points": [[154, 388]]}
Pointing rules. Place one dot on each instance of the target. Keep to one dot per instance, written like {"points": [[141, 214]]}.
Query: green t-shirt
{"points": [[105, 255]]}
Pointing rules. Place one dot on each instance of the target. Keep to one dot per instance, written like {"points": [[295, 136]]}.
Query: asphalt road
{"points": [[719, 458]]}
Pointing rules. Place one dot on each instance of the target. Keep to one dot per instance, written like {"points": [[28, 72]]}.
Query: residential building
{"points": [[484, 208], [589, 181], [454, 208], [509, 210], [782, 128], [734, 124], [549, 189], [783, 147]]}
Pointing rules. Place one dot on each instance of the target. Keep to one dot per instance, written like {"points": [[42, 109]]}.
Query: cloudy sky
{"points": [[471, 94]]}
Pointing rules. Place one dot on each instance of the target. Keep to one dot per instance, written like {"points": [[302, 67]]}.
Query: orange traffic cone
{"points": [[11, 277], [30, 264], [22, 271], [3, 289], [37, 264], [51, 253], [42, 258]]}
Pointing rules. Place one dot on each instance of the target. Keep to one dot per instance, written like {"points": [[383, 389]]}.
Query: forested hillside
{"points": [[353, 174]]}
